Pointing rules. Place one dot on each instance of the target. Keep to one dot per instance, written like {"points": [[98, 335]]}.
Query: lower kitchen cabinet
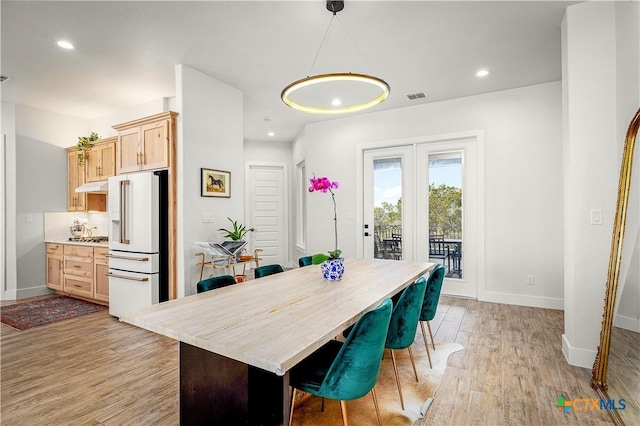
{"points": [[55, 266], [100, 278], [78, 270]]}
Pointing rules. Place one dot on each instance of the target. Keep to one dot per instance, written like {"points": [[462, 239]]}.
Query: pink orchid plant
{"points": [[323, 184]]}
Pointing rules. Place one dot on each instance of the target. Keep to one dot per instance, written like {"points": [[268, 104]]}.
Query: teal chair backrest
{"points": [[405, 316], [265, 270], [432, 295], [355, 370], [214, 282], [305, 261]]}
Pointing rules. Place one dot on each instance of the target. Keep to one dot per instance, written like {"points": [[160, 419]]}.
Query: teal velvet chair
{"points": [[263, 271], [349, 370], [430, 304], [305, 261], [403, 325], [214, 282]]}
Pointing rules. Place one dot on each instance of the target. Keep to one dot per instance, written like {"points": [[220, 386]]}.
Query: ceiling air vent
{"points": [[416, 95], [4, 78]]}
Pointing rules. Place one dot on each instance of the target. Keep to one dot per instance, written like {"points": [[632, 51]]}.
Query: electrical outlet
{"points": [[530, 279], [207, 217], [596, 216], [28, 218]]}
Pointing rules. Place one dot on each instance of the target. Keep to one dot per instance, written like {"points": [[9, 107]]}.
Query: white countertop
{"points": [[79, 243]]}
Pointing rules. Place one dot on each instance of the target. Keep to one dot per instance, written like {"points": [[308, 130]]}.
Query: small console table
{"points": [[229, 263]]}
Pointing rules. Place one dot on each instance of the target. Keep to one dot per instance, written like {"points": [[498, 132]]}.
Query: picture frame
{"points": [[215, 183]]}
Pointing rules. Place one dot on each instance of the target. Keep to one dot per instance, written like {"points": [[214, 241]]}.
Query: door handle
{"points": [[139, 259], [124, 277], [123, 211]]}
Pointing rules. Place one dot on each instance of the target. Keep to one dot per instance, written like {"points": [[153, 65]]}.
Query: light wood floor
{"points": [[94, 370]]}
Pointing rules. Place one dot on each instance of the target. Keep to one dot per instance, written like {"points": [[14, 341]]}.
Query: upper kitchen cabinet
{"points": [[101, 160], [75, 201], [147, 143], [80, 201]]}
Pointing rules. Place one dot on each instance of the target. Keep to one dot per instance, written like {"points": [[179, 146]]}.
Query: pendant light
{"points": [[335, 93]]}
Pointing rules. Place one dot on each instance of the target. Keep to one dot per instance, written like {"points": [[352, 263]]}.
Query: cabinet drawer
{"points": [[82, 251], [82, 286], [82, 266], [100, 255], [55, 248]]}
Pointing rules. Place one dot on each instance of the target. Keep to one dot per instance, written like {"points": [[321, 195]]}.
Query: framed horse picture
{"points": [[215, 183]]}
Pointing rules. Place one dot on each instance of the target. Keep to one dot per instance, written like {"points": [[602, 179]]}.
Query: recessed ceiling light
{"points": [[336, 102], [482, 73], [65, 45], [271, 134]]}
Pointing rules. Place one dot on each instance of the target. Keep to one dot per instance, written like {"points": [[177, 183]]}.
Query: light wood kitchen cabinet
{"points": [[82, 201], [146, 144], [101, 160], [100, 269], [55, 253], [75, 201], [78, 270]]}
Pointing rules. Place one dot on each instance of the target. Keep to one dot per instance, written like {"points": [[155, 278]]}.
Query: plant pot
{"points": [[240, 278], [332, 269]]}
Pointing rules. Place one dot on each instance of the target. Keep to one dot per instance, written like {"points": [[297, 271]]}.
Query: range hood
{"points": [[101, 187]]}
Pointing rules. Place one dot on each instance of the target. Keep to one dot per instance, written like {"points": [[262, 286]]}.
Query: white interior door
{"points": [[266, 206]]}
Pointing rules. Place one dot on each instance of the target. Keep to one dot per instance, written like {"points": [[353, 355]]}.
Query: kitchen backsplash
{"points": [[56, 224]]}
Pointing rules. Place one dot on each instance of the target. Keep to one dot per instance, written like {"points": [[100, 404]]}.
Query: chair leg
{"points": [[395, 369], [343, 408], [433, 342], [426, 345], [375, 402], [293, 399], [413, 363]]}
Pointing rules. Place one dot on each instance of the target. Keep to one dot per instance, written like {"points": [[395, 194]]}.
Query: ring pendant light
{"points": [[335, 93]]}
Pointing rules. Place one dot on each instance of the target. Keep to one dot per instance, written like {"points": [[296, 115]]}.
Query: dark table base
{"points": [[215, 390]]}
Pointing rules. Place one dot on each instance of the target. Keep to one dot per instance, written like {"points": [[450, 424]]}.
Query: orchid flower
{"points": [[323, 184]]}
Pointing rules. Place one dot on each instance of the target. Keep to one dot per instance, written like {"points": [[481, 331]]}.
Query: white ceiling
{"points": [[126, 51]]}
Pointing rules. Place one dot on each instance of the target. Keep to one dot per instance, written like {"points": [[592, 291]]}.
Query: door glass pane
{"points": [[445, 211], [387, 214]]}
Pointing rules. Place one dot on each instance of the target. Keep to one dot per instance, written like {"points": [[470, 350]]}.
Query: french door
{"points": [[420, 202]]}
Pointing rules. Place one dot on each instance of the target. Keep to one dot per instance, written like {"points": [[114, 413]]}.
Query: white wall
{"points": [[8, 279], [593, 110], [209, 136], [523, 180], [103, 125], [40, 186], [628, 96]]}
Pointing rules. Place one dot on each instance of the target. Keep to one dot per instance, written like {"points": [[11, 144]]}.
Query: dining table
{"points": [[238, 343]]}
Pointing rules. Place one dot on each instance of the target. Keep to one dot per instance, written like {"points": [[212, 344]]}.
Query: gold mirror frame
{"points": [[599, 372]]}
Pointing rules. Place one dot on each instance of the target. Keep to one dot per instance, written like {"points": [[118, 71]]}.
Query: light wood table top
{"points": [[276, 321]]}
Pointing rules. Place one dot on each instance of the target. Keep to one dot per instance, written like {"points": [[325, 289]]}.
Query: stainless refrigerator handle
{"points": [[139, 259], [123, 211], [124, 277]]}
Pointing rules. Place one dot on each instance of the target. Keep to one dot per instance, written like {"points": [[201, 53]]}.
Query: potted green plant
{"points": [[237, 231], [85, 143]]}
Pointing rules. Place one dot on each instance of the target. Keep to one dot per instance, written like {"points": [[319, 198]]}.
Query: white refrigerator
{"points": [[135, 221]]}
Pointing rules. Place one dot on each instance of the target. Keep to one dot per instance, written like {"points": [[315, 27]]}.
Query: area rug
{"points": [[35, 313], [417, 395]]}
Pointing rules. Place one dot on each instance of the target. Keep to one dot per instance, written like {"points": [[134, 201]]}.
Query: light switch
{"points": [[207, 217], [596, 216], [28, 218]]}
